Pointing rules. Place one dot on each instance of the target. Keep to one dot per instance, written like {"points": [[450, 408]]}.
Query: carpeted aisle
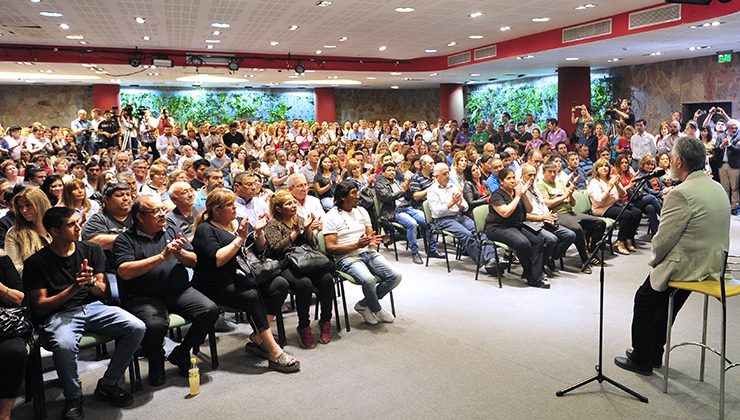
{"points": [[458, 349]]}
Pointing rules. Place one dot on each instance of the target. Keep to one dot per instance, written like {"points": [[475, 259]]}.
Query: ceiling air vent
{"points": [[590, 30], [655, 16], [456, 59], [486, 52]]}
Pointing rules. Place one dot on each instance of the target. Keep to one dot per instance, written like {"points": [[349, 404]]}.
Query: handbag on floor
{"points": [[14, 323]]}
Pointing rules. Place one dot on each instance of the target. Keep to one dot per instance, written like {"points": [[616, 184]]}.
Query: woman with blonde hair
{"points": [[457, 171], [606, 192], [287, 229], [219, 238], [28, 234], [75, 198]]}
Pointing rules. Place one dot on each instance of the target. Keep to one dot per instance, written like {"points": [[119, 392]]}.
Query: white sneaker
{"points": [[384, 316], [366, 313]]}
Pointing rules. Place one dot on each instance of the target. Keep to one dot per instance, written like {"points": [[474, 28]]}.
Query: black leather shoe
{"points": [[657, 362], [73, 410], [627, 364], [417, 259], [113, 395], [181, 359], [435, 254]]}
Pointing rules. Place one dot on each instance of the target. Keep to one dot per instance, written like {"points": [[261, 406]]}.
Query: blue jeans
{"points": [[463, 228], [374, 273], [63, 330], [650, 205], [557, 240], [410, 218]]}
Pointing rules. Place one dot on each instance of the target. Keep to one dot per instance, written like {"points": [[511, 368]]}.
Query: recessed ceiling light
{"points": [[396, 73], [292, 76], [152, 67], [342, 39], [586, 6], [213, 41], [394, 87], [101, 72], [209, 46], [139, 19], [293, 28], [89, 65], [717, 23], [451, 44], [655, 54], [205, 78], [323, 3], [382, 48], [83, 42], [46, 71], [474, 74], [504, 28], [524, 57], [35, 1], [571, 58], [333, 77], [434, 74], [476, 14], [475, 36], [50, 14], [430, 50], [541, 19], [613, 60], [115, 80], [63, 26], [145, 38], [220, 25], [371, 78], [309, 71], [405, 9], [329, 46], [75, 37], [216, 33], [318, 51], [273, 43], [701, 47]]}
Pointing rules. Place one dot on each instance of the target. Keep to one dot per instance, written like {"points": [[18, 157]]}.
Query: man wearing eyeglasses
{"points": [[248, 205], [307, 204], [151, 258]]}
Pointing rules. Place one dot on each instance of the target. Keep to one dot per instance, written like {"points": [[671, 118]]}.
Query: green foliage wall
{"points": [[537, 96], [222, 105]]}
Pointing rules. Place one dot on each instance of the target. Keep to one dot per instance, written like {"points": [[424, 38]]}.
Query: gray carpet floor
{"points": [[458, 349]]}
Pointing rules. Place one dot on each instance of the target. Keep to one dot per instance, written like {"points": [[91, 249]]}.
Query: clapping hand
{"points": [[243, 230], [522, 188], [261, 222], [364, 241], [85, 275]]}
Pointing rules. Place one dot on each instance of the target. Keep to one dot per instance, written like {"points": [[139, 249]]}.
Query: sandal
{"points": [[258, 350], [285, 363]]}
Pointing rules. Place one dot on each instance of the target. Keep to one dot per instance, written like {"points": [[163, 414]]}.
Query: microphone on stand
{"points": [[654, 174]]}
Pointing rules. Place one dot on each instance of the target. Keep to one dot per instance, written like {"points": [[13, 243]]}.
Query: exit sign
{"points": [[724, 57]]}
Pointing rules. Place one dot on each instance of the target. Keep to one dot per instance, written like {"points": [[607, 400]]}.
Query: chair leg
{"points": [[393, 303], [35, 383], [704, 338], [498, 269], [336, 314], [562, 265], [669, 325], [723, 360], [214, 349], [281, 329], [392, 230], [344, 304], [447, 259], [477, 265], [179, 334]]}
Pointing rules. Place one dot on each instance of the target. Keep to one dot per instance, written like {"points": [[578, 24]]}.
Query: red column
{"points": [[451, 105], [326, 104], [106, 96], [574, 88]]}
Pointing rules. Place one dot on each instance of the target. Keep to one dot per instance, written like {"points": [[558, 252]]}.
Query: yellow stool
{"points": [[720, 290]]}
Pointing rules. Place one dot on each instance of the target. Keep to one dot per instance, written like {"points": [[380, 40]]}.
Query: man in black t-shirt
{"points": [[233, 136], [109, 130], [103, 227], [152, 280], [66, 281]]}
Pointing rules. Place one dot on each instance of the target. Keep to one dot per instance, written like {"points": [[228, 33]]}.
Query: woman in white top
{"points": [[606, 192], [75, 198]]}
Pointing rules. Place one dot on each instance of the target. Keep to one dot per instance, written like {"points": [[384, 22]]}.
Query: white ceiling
{"points": [[185, 24]]}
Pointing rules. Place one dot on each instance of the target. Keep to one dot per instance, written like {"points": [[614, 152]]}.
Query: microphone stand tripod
{"points": [[600, 377]]}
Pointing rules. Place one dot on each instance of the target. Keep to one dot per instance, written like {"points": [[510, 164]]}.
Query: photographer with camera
{"points": [[147, 129], [164, 120], [621, 111], [83, 131], [129, 135], [109, 130]]}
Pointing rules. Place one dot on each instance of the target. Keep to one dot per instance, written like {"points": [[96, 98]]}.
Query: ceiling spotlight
{"points": [[476, 14], [233, 65], [524, 57], [318, 51], [716, 23], [83, 42], [613, 60], [655, 54], [474, 74], [51, 14], [299, 68], [323, 3], [504, 28], [586, 6], [209, 46], [382, 48], [451, 44], [196, 61], [405, 9], [293, 28], [63, 26], [145, 38], [134, 62], [274, 43], [371, 78], [216, 33], [702, 47], [434, 74], [342, 39], [394, 87], [541, 19], [475, 36], [140, 20]]}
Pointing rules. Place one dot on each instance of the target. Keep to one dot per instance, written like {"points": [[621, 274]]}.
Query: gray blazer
{"points": [[693, 234]]}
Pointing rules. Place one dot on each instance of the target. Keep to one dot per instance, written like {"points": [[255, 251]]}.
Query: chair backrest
{"points": [[583, 204], [479, 217], [320, 240], [427, 212], [376, 205]]}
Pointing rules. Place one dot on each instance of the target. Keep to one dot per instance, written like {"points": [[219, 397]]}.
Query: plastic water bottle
{"points": [[194, 377]]}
